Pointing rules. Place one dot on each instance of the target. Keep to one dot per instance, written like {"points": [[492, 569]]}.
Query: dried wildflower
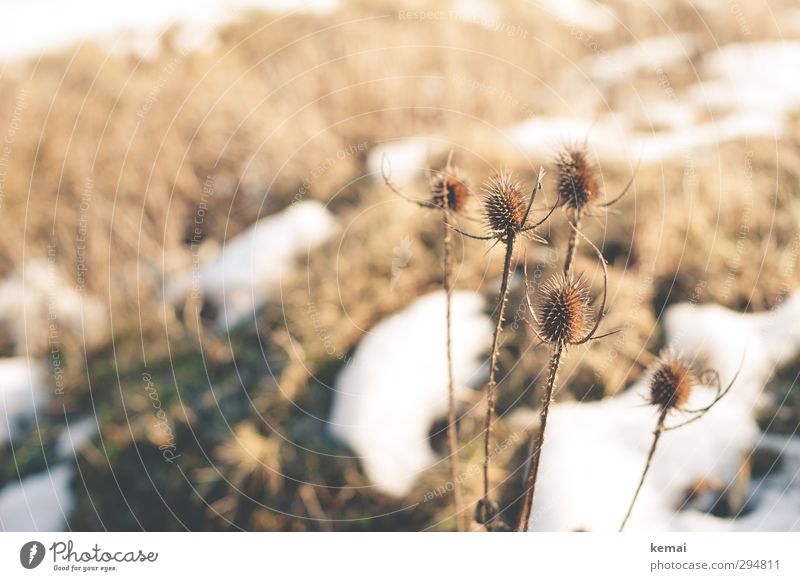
{"points": [[578, 174], [671, 383], [505, 208], [564, 310], [450, 194], [580, 189], [564, 316], [506, 211], [506, 218], [672, 380], [449, 189]]}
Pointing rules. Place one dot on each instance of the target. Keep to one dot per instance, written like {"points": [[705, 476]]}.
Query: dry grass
{"points": [[265, 114]]}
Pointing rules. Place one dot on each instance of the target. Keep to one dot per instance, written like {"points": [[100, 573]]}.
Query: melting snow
{"points": [[404, 159], [651, 53], [752, 77], [606, 442], [75, 436], [42, 502], [33, 300], [122, 26], [249, 268], [396, 386], [582, 14], [22, 393]]}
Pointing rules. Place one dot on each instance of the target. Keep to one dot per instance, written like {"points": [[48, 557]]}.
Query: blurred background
{"points": [[196, 236]]}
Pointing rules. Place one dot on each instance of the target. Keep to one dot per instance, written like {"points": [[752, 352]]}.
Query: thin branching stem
{"points": [[536, 451], [656, 435], [572, 246], [452, 428], [490, 388]]}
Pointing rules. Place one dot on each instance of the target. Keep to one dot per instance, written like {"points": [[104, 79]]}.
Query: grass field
{"points": [[110, 158]]}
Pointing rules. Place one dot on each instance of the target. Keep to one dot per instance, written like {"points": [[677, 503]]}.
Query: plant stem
{"points": [[452, 427], [656, 436], [536, 452], [573, 242], [490, 388]]}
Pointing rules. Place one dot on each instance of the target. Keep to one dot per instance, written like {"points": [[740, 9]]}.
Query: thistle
{"points": [[563, 316], [450, 194], [449, 189], [579, 188], [579, 184], [672, 381], [505, 216]]}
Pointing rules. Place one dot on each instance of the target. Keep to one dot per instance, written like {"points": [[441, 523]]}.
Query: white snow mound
{"points": [[42, 502], [22, 393], [594, 452], [396, 385], [124, 27], [250, 266], [37, 298]]}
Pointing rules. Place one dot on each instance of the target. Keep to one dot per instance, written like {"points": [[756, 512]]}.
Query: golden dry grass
{"points": [[264, 114]]}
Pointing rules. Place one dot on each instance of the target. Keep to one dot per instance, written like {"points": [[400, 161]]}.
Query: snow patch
{"points": [[35, 27], [42, 502], [583, 14], [250, 266], [649, 54], [481, 12], [396, 385], [606, 442], [75, 436], [22, 393], [542, 136], [754, 78], [37, 297], [404, 159]]}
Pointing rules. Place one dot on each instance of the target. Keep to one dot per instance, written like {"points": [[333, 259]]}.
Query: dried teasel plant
{"points": [[671, 384], [449, 193], [579, 186], [506, 215], [562, 317]]}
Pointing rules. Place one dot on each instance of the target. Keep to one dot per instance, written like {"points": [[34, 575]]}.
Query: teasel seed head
{"points": [[504, 205], [671, 382], [449, 189], [579, 183], [564, 312]]}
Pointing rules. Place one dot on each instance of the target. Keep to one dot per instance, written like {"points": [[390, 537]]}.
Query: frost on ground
{"points": [[396, 386], [22, 393], [606, 443], [240, 280], [42, 502]]}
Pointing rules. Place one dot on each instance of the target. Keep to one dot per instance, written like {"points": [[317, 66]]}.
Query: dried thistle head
{"points": [[564, 312], [671, 382], [579, 184], [449, 189], [505, 206]]}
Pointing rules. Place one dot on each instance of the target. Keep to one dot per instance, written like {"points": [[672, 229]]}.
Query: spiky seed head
{"points": [[578, 178], [449, 189], [564, 310], [504, 207], [671, 382]]}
